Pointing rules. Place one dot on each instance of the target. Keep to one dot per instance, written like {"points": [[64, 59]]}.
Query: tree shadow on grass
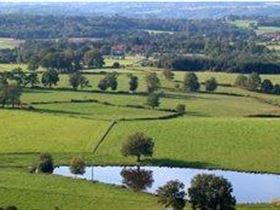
{"points": [[167, 162], [58, 112]]}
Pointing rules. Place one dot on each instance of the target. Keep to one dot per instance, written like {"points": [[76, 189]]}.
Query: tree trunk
{"points": [[138, 158]]}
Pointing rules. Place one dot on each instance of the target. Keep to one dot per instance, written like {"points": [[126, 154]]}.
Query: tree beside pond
{"points": [[208, 191], [138, 145], [137, 179], [172, 195], [45, 164], [77, 166]]}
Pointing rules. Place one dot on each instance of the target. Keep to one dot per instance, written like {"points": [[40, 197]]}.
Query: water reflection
{"points": [[247, 187], [137, 179]]}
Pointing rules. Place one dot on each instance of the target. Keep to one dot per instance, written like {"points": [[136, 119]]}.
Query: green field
{"points": [[215, 132], [8, 43], [240, 144], [45, 192]]}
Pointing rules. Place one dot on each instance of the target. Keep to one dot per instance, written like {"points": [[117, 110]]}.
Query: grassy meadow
{"points": [[215, 132]]}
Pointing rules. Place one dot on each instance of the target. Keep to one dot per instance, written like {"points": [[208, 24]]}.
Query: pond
{"points": [[247, 187]]}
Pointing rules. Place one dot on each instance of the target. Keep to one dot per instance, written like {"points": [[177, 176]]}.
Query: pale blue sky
{"points": [[139, 1]]}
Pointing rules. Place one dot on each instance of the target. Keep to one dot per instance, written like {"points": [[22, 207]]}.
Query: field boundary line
{"points": [[113, 123]]}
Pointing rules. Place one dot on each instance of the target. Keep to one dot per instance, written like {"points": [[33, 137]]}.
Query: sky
{"points": [[138, 1]]}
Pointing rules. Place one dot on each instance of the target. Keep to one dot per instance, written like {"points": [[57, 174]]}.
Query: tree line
{"points": [[254, 82]]}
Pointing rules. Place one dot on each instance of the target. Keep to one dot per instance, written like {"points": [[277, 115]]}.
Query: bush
{"points": [[77, 166], [45, 164], [153, 100], [181, 108], [116, 65], [172, 194], [211, 84]]}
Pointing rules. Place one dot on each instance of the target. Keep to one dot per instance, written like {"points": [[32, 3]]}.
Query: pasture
{"points": [[215, 132], [228, 143]]}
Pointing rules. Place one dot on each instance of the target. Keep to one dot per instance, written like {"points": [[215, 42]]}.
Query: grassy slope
{"points": [[241, 144], [45, 192], [23, 132]]}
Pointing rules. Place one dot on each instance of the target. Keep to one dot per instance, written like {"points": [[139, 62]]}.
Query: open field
{"points": [[8, 43], [25, 132], [240, 144], [99, 111], [215, 132]]}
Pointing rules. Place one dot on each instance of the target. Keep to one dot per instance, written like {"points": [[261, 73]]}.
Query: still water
{"points": [[247, 187]]}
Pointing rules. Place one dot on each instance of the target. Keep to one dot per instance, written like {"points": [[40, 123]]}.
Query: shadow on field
{"points": [[197, 114], [57, 112], [177, 163]]}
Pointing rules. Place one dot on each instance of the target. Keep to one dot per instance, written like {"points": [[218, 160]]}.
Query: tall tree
{"points": [[254, 81], [191, 82], [208, 191], [77, 79], [133, 83], [138, 145], [172, 195], [152, 81], [50, 78], [211, 84]]}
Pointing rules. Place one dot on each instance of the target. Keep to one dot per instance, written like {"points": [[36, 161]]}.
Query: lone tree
{"points": [[276, 89], [168, 74], [45, 164], [211, 84], [137, 145], [152, 81], [77, 166], [153, 100], [241, 81], [133, 83], [137, 179], [191, 82], [77, 79], [50, 78], [254, 81], [267, 86], [208, 191], [172, 195]]}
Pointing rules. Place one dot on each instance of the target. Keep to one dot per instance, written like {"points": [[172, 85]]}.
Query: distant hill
{"points": [[144, 10]]}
